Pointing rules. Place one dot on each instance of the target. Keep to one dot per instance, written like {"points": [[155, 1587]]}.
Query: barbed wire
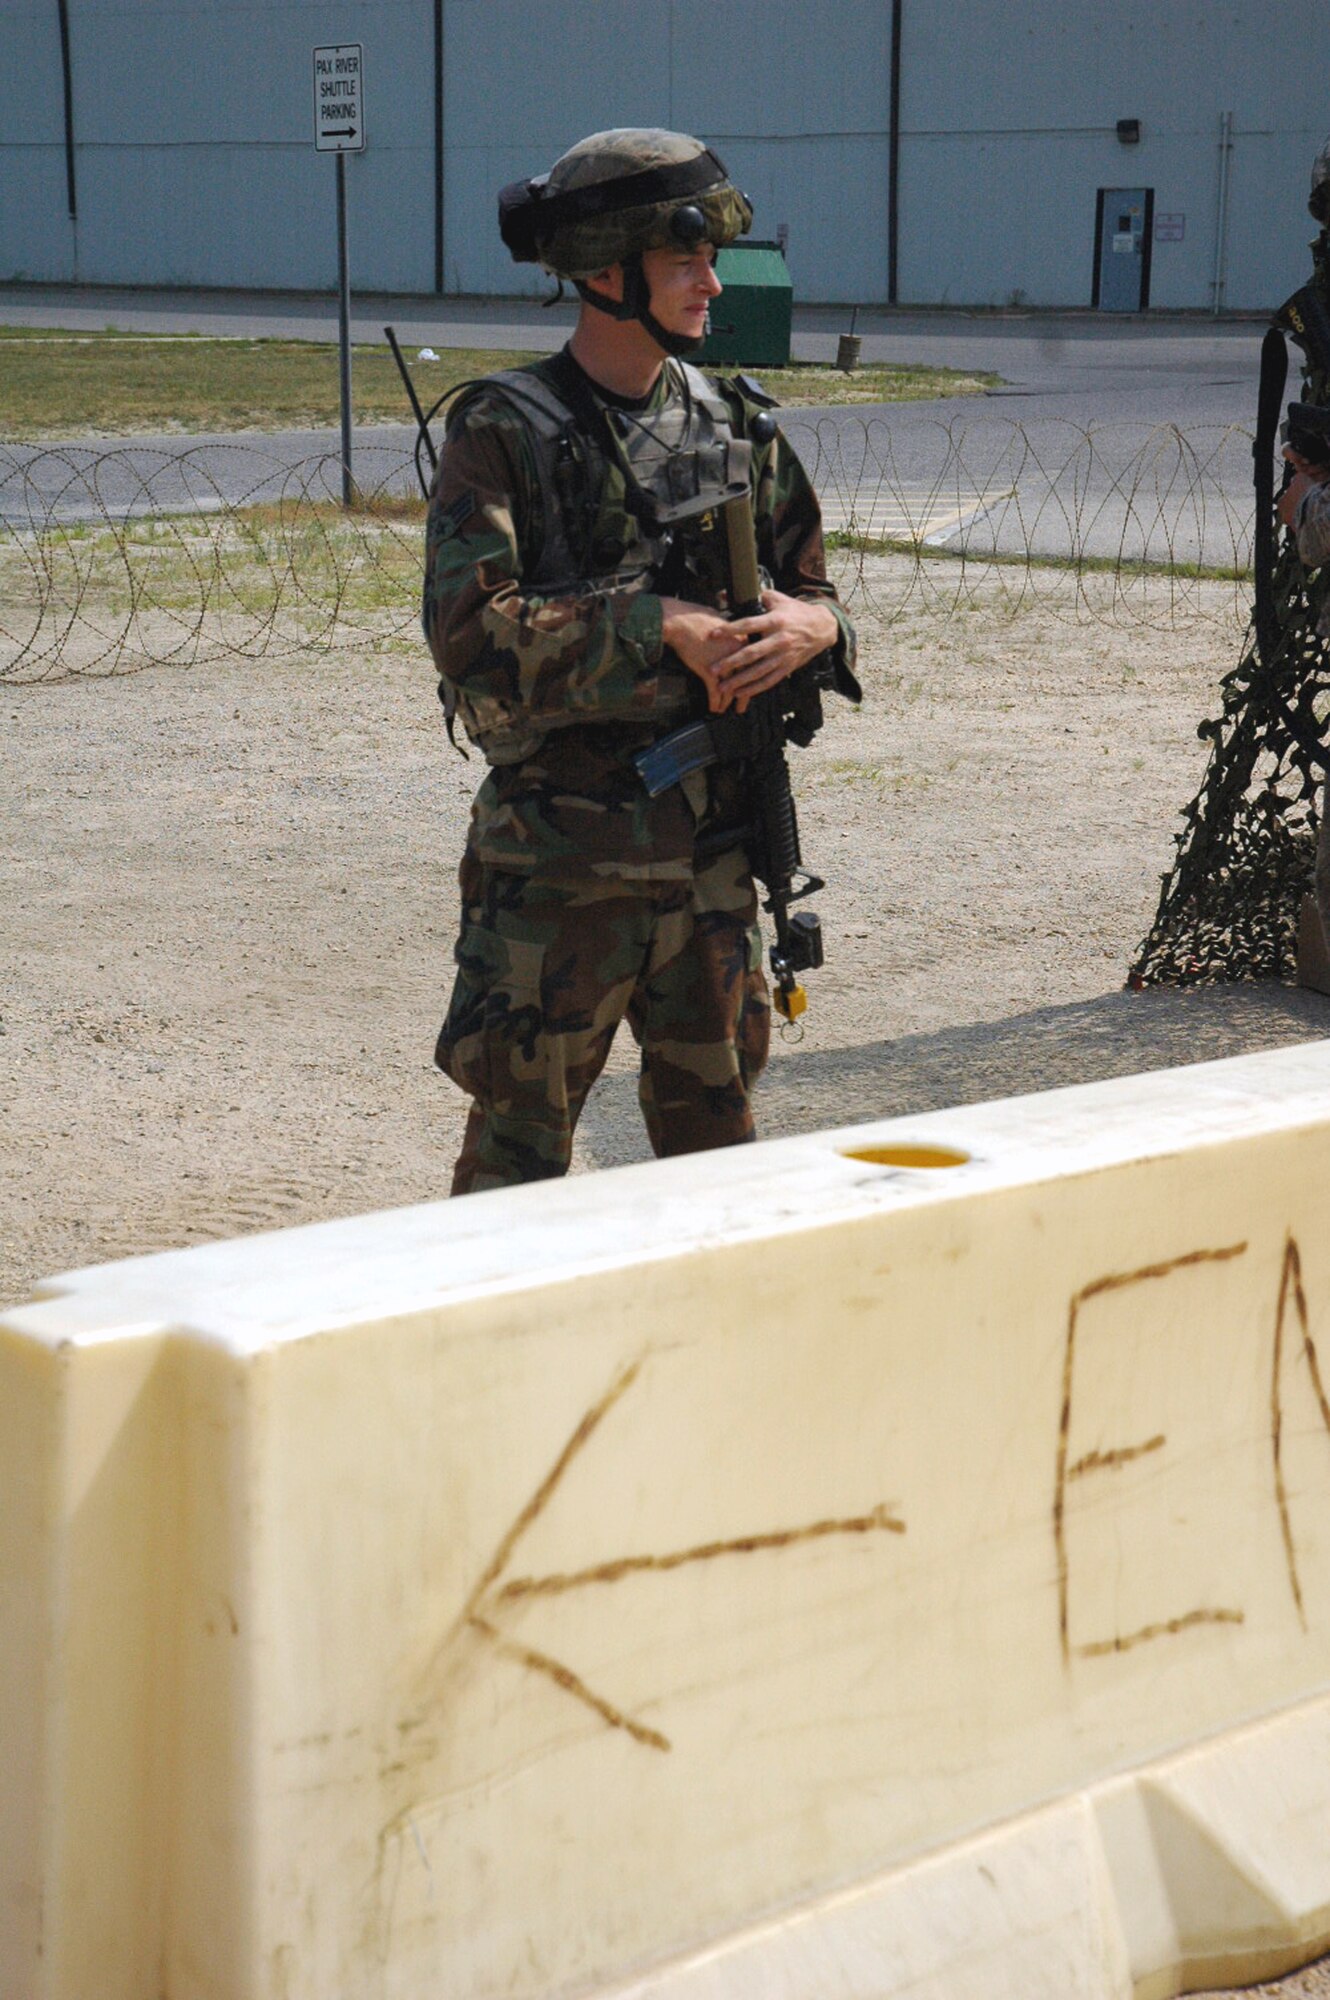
{"points": [[1158, 510], [113, 559]]}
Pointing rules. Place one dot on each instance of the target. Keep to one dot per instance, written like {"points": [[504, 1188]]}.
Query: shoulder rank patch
{"points": [[453, 519]]}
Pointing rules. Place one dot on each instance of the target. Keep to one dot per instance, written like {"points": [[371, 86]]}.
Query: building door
{"points": [[1123, 226]]}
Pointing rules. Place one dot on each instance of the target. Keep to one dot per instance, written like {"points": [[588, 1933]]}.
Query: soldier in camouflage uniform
{"points": [[1304, 509], [1257, 834], [569, 633]]}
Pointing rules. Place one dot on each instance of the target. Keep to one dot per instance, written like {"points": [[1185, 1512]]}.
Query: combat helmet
{"points": [[1318, 201], [611, 198]]}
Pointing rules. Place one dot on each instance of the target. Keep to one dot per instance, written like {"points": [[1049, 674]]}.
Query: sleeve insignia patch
{"points": [[453, 519]]}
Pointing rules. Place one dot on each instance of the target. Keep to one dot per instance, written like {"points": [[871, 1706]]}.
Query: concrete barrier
{"points": [[891, 1562]]}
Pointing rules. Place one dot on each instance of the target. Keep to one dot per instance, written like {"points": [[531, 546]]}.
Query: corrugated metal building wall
{"points": [[193, 160]]}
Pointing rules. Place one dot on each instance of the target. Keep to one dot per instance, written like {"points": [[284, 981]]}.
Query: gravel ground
{"points": [[230, 900]]}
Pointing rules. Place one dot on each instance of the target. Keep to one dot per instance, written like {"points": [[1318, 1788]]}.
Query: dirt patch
{"points": [[230, 905]]}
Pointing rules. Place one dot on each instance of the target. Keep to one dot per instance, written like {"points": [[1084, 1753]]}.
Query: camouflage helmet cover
{"points": [[1318, 201], [615, 194]]}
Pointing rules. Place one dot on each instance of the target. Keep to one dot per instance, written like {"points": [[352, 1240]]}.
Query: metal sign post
{"points": [[339, 127], [344, 331]]}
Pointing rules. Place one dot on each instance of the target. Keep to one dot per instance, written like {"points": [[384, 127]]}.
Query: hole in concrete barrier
{"points": [[903, 1154]]}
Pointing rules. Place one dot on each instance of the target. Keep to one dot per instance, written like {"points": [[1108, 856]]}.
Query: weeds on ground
{"points": [[807, 385], [61, 385], [116, 385]]}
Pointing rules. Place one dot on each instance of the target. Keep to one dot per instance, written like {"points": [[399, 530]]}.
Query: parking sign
{"points": [[339, 105]]}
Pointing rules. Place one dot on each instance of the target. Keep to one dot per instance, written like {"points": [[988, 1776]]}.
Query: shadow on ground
{"points": [[1119, 1034]]}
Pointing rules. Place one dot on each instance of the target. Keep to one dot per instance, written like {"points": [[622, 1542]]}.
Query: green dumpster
{"points": [[750, 321]]}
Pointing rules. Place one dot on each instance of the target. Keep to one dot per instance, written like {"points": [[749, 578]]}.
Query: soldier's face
{"points": [[683, 283]]}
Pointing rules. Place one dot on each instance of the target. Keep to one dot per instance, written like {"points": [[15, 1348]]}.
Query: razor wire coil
{"points": [[113, 560], [116, 559]]}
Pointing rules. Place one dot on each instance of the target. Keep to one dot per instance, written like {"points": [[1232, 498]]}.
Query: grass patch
{"points": [[59, 384], [805, 384], [1082, 565], [314, 563], [307, 567]]}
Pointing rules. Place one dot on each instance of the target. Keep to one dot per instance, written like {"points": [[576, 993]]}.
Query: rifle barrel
{"points": [[421, 425], [741, 541]]}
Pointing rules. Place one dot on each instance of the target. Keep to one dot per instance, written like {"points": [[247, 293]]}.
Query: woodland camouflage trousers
{"points": [[547, 969]]}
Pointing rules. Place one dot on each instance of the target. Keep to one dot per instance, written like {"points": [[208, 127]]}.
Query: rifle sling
{"points": [[1270, 640], [1269, 400]]}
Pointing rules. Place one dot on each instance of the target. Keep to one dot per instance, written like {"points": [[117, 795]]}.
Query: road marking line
{"points": [[955, 524], [908, 516]]}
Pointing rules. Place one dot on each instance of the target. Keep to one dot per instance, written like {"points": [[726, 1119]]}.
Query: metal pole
{"points": [[894, 157], [1217, 283], [438, 146], [69, 110], [344, 330]]}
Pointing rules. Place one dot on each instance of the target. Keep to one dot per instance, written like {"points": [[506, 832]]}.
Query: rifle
{"points": [[423, 438], [756, 739]]}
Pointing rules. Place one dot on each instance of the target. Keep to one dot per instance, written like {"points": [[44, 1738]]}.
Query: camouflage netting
{"points": [[1230, 903]]}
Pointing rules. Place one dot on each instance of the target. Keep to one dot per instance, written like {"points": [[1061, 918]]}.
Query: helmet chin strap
{"points": [[636, 304]]}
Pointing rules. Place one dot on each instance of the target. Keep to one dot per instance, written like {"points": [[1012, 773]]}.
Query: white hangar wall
{"points": [[193, 124], [796, 100], [1009, 129], [194, 159]]}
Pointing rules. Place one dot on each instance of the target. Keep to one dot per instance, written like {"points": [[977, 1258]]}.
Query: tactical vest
{"points": [[613, 487]]}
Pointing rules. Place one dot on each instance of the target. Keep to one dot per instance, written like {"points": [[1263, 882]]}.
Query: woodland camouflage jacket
{"points": [[1312, 528], [560, 686]]}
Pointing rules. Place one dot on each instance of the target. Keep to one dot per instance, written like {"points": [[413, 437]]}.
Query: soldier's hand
{"points": [[703, 641], [1291, 498], [784, 636]]}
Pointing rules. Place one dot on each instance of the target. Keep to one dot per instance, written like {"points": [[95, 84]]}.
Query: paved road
{"points": [[1109, 434], [106, 479], [1184, 367]]}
